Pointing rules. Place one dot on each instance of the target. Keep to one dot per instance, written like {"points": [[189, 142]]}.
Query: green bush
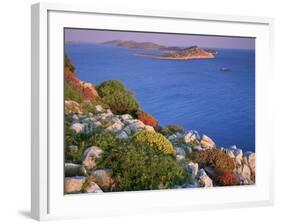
{"points": [[138, 167], [71, 93], [171, 129], [154, 140], [114, 94], [215, 158], [68, 66], [104, 140]]}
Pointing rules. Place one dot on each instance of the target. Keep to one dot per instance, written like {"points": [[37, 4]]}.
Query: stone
{"points": [[198, 148], [246, 172], [180, 157], [72, 169], [99, 108], [207, 142], [230, 153], [192, 168], [102, 177], [71, 106], [179, 151], [73, 184], [238, 153], [188, 149], [75, 117], [122, 135], [78, 127], [125, 117], [192, 184], [250, 160], [172, 137], [136, 126], [149, 128], [116, 126], [191, 136], [127, 129], [90, 156], [93, 188], [203, 179]]}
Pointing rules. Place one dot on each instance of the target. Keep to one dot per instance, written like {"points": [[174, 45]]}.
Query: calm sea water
{"points": [[194, 94]]}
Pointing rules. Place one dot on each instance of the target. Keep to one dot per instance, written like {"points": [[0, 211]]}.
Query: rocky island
{"points": [[193, 52], [112, 145]]}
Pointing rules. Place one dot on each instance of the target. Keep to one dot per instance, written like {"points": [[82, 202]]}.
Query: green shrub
{"points": [[138, 167], [71, 93], [114, 94], [171, 129], [68, 64], [215, 158], [104, 140], [154, 140]]}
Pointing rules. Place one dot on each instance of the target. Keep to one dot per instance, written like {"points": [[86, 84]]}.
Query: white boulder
{"points": [[90, 156], [93, 188], [203, 179], [73, 184], [207, 142], [78, 127]]}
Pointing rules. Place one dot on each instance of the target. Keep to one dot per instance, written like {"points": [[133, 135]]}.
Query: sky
{"points": [[180, 40]]}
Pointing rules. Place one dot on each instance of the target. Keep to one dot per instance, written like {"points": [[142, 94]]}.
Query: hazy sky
{"points": [[184, 40]]}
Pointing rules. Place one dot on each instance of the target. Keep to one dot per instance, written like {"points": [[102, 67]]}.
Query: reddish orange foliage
{"points": [[147, 119], [88, 91], [227, 179]]}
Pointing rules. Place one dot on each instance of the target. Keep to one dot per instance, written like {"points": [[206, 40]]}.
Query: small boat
{"points": [[225, 69]]}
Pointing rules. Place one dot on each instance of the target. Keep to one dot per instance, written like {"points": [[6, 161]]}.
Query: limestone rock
{"points": [[102, 177], [122, 135], [99, 108], [149, 128], [78, 127], [93, 188], [90, 156], [193, 169], [191, 136], [204, 179], [71, 169], [71, 106], [207, 142], [73, 184]]}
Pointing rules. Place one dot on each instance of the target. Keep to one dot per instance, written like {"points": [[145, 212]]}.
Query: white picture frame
{"points": [[48, 201]]}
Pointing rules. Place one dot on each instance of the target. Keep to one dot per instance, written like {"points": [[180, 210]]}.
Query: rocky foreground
{"points": [[86, 177]]}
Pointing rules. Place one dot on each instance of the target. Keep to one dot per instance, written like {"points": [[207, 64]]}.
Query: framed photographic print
{"points": [[147, 111]]}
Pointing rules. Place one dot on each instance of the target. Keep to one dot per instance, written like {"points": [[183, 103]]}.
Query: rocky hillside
{"points": [[112, 145]]}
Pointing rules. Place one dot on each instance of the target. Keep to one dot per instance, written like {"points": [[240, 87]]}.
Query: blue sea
{"points": [[194, 94]]}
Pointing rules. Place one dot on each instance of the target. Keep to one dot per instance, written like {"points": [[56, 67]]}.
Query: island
{"points": [[189, 53], [166, 53], [134, 45]]}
